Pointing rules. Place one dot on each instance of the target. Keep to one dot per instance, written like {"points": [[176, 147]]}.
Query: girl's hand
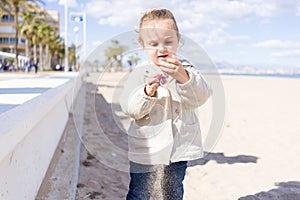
{"points": [[173, 67], [151, 86]]}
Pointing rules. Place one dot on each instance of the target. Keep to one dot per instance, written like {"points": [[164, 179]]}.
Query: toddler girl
{"points": [[161, 98]]}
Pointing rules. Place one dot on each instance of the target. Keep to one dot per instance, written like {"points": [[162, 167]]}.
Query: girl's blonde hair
{"points": [[158, 14]]}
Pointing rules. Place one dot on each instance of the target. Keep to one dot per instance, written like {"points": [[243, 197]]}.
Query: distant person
{"points": [[1, 66], [36, 66], [30, 64], [27, 64], [161, 98]]}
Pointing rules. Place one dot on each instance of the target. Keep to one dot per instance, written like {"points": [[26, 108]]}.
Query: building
{"points": [[7, 31], [52, 18], [7, 35]]}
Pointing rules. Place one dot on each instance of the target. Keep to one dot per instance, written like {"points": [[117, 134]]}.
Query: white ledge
{"points": [[29, 135]]}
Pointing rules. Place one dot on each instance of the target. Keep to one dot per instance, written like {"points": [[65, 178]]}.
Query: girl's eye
{"points": [[168, 42], [154, 44]]}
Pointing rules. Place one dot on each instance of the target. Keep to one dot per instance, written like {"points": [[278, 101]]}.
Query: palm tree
{"points": [[4, 6], [15, 7], [34, 38], [27, 30], [38, 33], [49, 33], [43, 33], [72, 55], [57, 49], [114, 54], [134, 59]]}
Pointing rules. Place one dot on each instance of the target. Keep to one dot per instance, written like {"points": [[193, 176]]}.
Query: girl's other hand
{"points": [[151, 86]]}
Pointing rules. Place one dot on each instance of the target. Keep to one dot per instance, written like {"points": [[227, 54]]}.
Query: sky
{"points": [[257, 33]]}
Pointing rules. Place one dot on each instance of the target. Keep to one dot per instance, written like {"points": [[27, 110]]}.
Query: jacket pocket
{"points": [[187, 133], [150, 138]]}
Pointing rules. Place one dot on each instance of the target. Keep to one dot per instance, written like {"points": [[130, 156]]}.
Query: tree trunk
{"points": [[34, 52], [41, 57], [27, 48], [47, 60], [16, 12]]}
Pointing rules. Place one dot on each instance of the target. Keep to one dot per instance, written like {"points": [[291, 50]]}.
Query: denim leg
{"points": [[142, 178], [172, 181]]}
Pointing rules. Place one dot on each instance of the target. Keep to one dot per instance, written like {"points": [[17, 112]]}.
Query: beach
{"points": [[256, 156]]}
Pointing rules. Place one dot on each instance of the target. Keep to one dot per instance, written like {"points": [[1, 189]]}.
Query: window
{"points": [[7, 40], [7, 18], [22, 41]]}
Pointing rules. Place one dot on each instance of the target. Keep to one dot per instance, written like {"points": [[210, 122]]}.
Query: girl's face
{"points": [[159, 39]]}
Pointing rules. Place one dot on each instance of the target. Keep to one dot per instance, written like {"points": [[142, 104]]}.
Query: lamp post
{"points": [[66, 37], [81, 17], [76, 30], [84, 35]]}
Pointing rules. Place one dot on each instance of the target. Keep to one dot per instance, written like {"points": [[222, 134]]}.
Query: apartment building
{"points": [[7, 35], [7, 30]]}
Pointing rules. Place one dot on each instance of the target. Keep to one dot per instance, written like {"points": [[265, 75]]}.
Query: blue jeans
{"points": [[143, 178]]}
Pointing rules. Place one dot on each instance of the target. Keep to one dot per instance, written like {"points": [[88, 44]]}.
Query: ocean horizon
{"points": [[262, 75]]}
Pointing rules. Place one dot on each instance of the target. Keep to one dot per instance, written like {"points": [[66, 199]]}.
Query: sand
{"points": [[256, 157]]}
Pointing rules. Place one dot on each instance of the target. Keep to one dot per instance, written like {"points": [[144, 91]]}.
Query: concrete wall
{"points": [[29, 135]]}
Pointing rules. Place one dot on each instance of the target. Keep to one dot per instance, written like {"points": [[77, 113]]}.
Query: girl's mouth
{"points": [[163, 56]]}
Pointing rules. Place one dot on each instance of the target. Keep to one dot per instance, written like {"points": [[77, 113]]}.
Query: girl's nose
{"points": [[161, 47]]}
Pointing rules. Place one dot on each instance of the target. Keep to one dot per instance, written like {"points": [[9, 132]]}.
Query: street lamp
{"points": [[76, 30], [66, 36]]}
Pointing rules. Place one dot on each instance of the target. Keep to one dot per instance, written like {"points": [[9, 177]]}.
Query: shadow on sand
{"points": [[285, 191], [220, 158]]}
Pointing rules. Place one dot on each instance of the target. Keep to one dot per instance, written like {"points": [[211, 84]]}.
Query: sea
{"points": [[263, 75]]}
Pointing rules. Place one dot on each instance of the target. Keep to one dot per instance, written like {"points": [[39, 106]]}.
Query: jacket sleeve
{"points": [[133, 100], [137, 104], [194, 92]]}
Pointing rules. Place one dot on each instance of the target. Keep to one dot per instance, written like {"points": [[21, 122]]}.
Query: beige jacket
{"points": [[164, 128]]}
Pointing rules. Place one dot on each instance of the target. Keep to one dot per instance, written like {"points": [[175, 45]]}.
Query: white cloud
{"points": [[279, 44], [298, 8], [99, 8], [70, 3], [190, 14], [219, 36], [221, 10], [282, 48], [116, 12], [287, 53], [270, 8], [205, 20]]}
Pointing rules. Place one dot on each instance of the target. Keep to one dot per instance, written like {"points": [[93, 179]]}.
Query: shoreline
{"points": [[275, 75]]}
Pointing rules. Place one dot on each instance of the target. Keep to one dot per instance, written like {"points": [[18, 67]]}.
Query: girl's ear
{"points": [[179, 37], [180, 42], [141, 42]]}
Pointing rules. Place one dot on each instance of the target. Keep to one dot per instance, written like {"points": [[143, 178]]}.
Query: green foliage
{"points": [[15, 7], [72, 55], [114, 54], [134, 59], [10, 60]]}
